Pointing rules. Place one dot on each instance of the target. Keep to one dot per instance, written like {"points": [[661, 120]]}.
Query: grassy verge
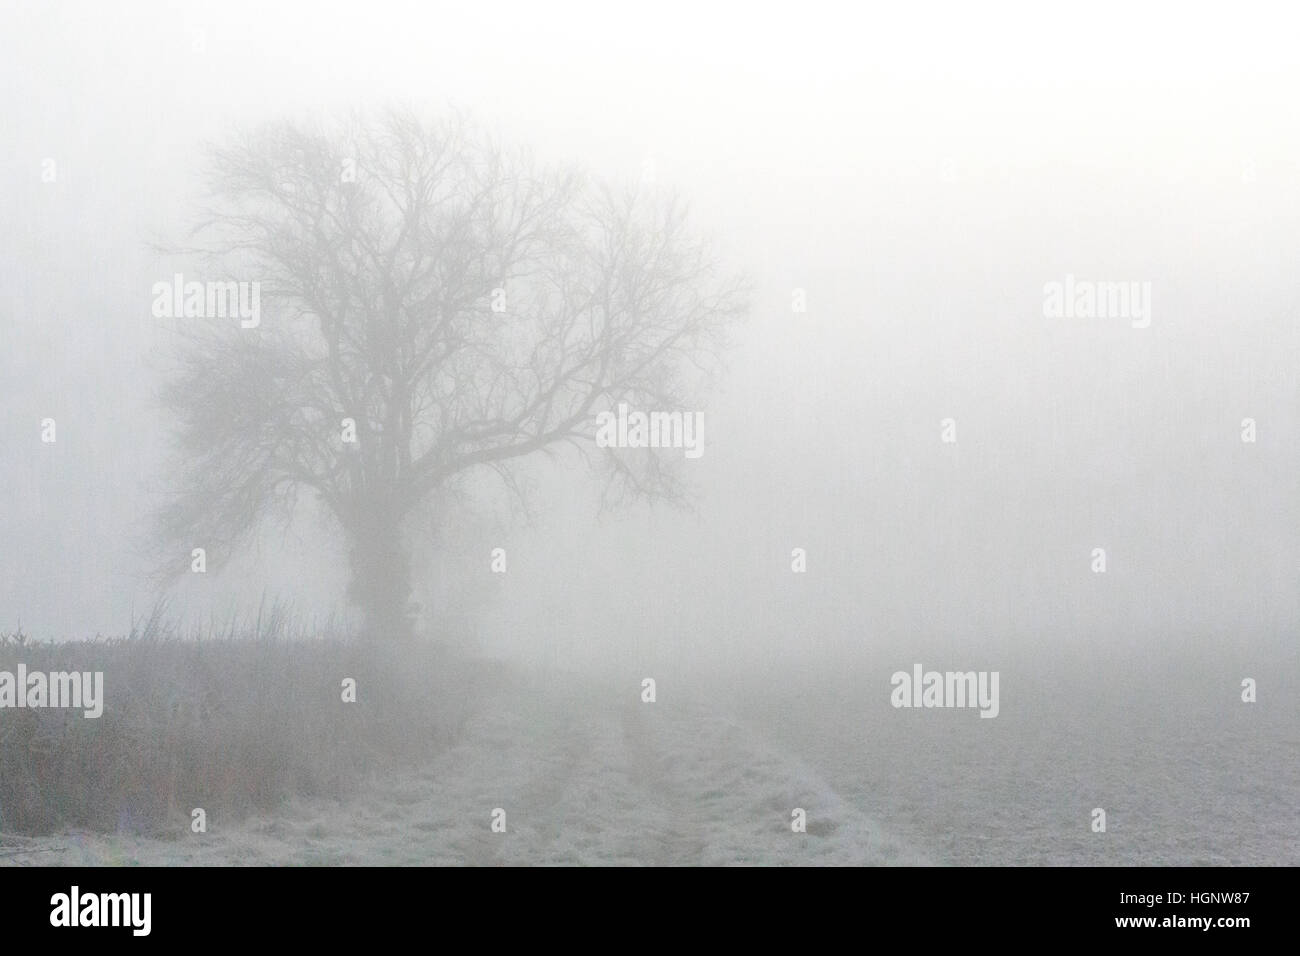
{"points": [[233, 724]]}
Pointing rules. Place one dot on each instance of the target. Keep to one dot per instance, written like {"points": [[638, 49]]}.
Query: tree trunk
{"points": [[381, 581]]}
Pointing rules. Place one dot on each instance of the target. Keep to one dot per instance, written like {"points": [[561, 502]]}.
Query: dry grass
{"points": [[234, 723]]}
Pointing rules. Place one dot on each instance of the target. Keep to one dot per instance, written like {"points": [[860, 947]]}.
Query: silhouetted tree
{"points": [[461, 304]]}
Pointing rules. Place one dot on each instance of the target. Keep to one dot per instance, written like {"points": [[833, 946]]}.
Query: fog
{"points": [[900, 186]]}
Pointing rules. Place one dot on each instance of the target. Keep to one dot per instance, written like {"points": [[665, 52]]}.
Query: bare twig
{"points": [[38, 849]]}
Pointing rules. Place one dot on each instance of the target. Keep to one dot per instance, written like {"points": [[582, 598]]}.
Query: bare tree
{"points": [[447, 301]]}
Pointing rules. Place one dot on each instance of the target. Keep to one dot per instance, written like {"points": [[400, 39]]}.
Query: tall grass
{"points": [[231, 719]]}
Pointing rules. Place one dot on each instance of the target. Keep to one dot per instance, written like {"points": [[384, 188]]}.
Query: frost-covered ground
{"points": [[584, 778], [1188, 774]]}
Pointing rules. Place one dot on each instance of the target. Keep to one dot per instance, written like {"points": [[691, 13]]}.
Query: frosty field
{"points": [[583, 780], [709, 774]]}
